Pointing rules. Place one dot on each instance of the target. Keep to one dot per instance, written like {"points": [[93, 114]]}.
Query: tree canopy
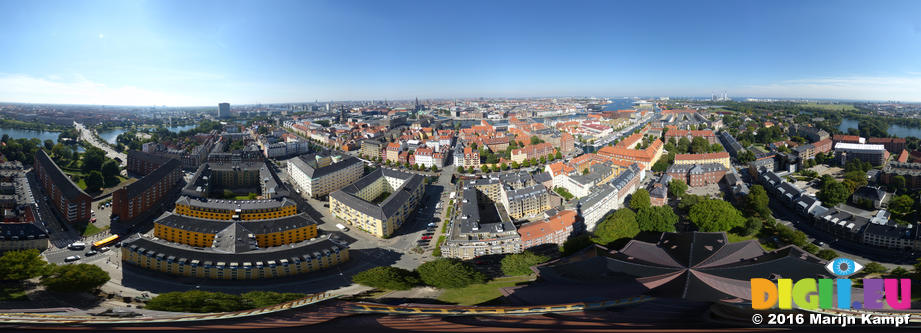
{"points": [[22, 265], [833, 192], [75, 278], [640, 199], [449, 273], [677, 188], [660, 218], [901, 205], [198, 301], [715, 215], [387, 277], [621, 224], [757, 202]]}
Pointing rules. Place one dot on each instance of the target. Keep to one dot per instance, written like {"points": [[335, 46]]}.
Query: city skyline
{"points": [[201, 53]]}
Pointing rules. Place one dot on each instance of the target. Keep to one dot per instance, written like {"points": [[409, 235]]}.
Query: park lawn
{"points": [[734, 238], [830, 107], [12, 293], [91, 229], [480, 293]]}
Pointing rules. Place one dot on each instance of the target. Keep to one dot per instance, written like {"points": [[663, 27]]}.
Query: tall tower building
{"points": [[223, 110]]}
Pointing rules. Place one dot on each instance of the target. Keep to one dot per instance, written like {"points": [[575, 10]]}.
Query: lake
{"points": [[110, 135], [17, 133], [896, 130]]}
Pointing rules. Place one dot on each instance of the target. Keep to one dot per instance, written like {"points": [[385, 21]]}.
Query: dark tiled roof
{"points": [[391, 205], [259, 227], [303, 251], [152, 178], [235, 204], [21, 231], [309, 167]]}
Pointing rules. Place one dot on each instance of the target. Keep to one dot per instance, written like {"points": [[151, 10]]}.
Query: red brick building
{"points": [[698, 174], [137, 198], [67, 198], [142, 163], [893, 145]]}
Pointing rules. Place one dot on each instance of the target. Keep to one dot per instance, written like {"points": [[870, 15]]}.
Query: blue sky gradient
{"points": [[202, 52]]}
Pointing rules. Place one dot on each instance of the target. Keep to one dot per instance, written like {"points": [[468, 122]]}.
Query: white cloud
{"points": [[79, 90], [901, 88]]}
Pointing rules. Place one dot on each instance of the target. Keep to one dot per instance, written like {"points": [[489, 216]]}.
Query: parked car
{"points": [[428, 234], [342, 227], [426, 237], [71, 258], [431, 224]]}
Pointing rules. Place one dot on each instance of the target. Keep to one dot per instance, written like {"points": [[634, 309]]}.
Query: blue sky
{"points": [[202, 52]]}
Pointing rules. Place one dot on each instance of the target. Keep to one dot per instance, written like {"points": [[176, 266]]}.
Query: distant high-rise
{"points": [[223, 110]]}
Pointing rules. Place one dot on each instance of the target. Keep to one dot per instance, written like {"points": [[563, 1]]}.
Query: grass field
{"points": [[734, 238], [830, 107], [479, 293]]}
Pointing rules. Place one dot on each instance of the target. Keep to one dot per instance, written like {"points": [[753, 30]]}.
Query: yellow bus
{"points": [[105, 241]]}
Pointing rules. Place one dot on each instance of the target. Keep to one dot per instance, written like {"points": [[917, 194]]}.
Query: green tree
{"points": [[757, 202], [575, 244], [543, 159], [897, 183], [640, 199], [49, 144], [387, 277], [449, 273], [22, 265], [715, 215], [699, 145], [621, 224], [900, 272], [827, 254], [433, 168], [659, 219], [558, 155], [261, 299], [94, 181], [535, 140], [196, 301], [515, 165], [677, 188], [75, 278], [503, 166], [874, 267], [833, 192], [660, 166], [93, 159], [484, 168], [520, 263], [752, 226], [110, 172], [901, 205]]}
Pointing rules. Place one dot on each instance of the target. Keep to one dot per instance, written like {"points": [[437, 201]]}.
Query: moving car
{"points": [[77, 246], [91, 253], [71, 258]]}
